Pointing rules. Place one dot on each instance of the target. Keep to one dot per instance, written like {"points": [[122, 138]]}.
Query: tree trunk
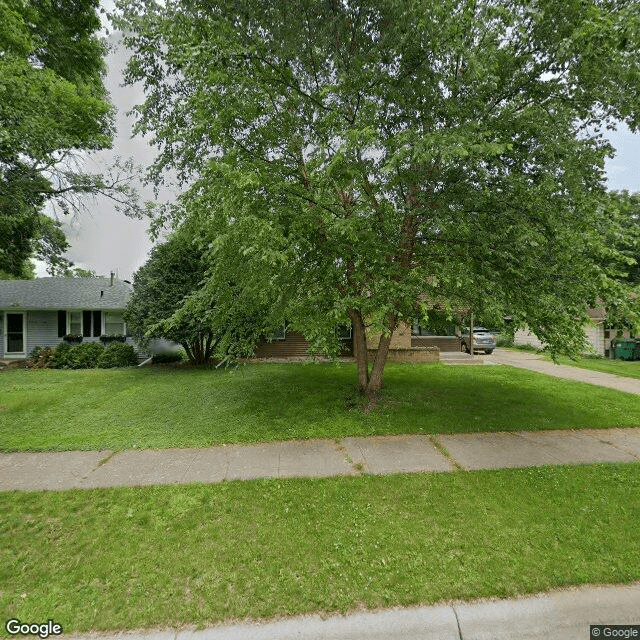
{"points": [[208, 349], [187, 348], [376, 378], [360, 349]]}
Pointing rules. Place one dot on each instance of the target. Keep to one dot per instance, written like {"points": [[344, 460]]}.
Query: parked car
{"points": [[483, 340]]}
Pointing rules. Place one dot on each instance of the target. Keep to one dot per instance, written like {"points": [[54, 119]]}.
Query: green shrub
{"points": [[35, 353], [62, 358], [86, 355], [169, 357], [118, 354], [527, 347], [43, 357], [504, 340]]}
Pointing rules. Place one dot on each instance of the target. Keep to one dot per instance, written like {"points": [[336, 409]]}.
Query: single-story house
{"points": [[599, 335], [41, 312], [408, 344]]}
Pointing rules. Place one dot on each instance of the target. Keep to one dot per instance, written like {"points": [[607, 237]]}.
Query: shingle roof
{"points": [[64, 293]]}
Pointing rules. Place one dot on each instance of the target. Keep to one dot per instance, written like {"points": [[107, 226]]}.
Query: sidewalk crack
{"points": [[358, 467], [455, 613], [100, 463], [598, 438], [182, 477], [443, 451]]}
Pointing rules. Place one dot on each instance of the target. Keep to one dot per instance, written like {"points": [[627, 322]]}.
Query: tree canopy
{"points": [[174, 270], [53, 105], [359, 159], [169, 302]]}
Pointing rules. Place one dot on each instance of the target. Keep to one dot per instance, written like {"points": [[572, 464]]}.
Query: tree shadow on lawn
{"points": [[448, 399], [202, 407], [283, 401]]}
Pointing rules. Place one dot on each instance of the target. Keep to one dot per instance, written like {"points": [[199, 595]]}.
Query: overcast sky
{"points": [[104, 240]]}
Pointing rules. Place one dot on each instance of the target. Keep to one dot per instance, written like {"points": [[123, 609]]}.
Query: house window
{"points": [[420, 330], [113, 323], [15, 327], [281, 332], [74, 323]]}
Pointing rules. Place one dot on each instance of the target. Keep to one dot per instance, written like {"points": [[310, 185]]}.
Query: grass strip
{"points": [[129, 558], [163, 407]]}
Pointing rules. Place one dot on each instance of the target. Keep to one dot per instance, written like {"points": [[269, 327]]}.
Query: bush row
{"points": [[89, 355]]}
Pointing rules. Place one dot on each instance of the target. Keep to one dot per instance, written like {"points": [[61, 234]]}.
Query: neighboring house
{"points": [[404, 347], [39, 313], [598, 335]]}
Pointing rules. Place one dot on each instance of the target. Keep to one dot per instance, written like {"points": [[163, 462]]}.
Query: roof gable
{"points": [[64, 293]]}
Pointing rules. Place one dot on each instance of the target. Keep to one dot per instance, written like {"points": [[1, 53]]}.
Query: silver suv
{"points": [[483, 340]]}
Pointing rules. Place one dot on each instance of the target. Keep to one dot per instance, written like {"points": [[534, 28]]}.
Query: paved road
{"points": [[316, 458], [560, 615], [534, 362]]}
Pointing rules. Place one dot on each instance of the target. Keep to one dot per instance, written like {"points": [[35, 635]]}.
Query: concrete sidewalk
{"points": [[559, 615], [316, 458], [534, 362]]}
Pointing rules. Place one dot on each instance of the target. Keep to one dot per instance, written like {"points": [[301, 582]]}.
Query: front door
{"points": [[15, 334]]}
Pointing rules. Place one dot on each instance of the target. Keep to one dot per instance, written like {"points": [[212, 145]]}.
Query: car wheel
{"points": [[488, 351]]}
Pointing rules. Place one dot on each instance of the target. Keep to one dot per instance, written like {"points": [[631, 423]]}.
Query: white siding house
{"points": [[41, 312]]}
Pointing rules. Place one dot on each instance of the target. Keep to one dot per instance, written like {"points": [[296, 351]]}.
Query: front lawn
{"points": [[162, 407], [127, 558]]}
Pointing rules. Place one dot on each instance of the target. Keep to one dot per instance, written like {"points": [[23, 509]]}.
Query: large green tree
{"points": [[53, 106], [364, 157], [626, 207]]}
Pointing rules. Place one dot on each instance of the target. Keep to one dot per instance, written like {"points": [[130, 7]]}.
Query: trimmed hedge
{"points": [[108, 339], [86, 356], [118, 354], [89, 355]]}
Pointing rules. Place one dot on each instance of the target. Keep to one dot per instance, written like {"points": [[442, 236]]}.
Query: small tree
{"points": [[174, 270], [173, 299]]}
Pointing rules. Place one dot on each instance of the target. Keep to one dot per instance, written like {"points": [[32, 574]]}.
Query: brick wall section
{"points": [[293, 346], [415, 354], [401, 338], [444, 343]]}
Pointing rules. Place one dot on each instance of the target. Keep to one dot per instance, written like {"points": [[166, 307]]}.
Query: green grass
{"points": [[628, 369], [44, 410], [196, 554]]}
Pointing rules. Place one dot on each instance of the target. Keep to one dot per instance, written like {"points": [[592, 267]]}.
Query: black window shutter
{"points": [[86, 324], [62, 323], [97, 324]]}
